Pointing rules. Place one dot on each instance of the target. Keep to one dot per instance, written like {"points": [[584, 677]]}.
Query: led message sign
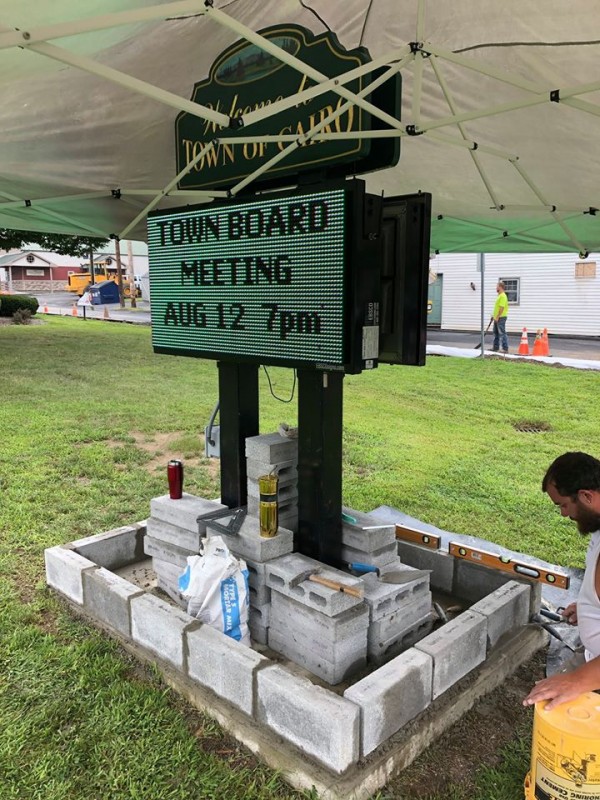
{"points": [[267, 280]]}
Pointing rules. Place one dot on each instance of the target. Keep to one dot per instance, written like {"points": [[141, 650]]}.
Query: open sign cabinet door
{"points": [[405, 235]]}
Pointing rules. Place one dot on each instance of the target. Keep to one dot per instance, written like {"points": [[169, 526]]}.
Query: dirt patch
{"points": [[475, 741], [161, 446], [9, 321]]}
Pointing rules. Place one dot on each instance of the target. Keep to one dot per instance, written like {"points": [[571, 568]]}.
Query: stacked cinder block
{"points": [[367, 541], [399, 614], [174, 532], [272, 453], [257, 551], [335, 731], [319, 628]]}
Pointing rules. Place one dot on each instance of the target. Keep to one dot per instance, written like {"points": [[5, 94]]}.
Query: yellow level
{"points": [[417, 537], [507, 564]]}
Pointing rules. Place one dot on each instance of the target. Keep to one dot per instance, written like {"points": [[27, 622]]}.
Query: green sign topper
{"points": [[244, 78]]}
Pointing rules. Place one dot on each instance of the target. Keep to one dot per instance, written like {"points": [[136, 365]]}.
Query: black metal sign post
{"points": [[238, 413], [320, 400]]}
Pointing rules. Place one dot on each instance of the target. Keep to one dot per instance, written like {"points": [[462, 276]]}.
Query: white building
{"points": [[557, 291]]}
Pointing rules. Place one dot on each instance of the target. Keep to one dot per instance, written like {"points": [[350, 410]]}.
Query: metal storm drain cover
{"points": [[531, 427]]}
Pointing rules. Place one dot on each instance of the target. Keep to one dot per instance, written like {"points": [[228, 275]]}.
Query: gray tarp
{"points": [[69, 136]]}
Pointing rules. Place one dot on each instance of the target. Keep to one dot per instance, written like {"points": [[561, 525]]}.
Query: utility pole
{"points": [[92, 276], [131, 275], [119, 271], [481, 258]]}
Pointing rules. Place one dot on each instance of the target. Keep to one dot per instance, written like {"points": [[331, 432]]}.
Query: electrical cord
{"points": [[281, 399], [209, 428]]}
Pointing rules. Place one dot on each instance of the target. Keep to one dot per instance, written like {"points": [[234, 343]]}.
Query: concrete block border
{"points": [[335, 734]]}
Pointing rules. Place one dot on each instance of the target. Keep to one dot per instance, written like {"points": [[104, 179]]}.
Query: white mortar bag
{"points": [[216, 587]]}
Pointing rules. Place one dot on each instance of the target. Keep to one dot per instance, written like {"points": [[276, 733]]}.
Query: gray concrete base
{"points": [[349, 745], [364, 779]]}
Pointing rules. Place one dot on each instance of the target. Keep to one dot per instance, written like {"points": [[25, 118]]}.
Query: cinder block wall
{"points": [[336, 732]]}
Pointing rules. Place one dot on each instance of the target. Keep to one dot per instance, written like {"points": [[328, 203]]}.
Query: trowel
{"points": [[394, 576]]}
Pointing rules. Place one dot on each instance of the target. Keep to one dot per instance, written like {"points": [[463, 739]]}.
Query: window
{"points": [[37, 273], [30, 259], [585, 269], [512, 287]]}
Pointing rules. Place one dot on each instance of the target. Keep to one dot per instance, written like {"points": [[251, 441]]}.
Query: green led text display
{"points": [[259, 280]]}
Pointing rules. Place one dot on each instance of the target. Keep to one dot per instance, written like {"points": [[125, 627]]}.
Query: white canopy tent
{"points": [[500, 118]]}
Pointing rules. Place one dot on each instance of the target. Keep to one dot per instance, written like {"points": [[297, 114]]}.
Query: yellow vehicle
{"points": [[78, 282]]}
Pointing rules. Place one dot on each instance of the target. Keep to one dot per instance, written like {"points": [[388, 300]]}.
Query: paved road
{"points": [[589, 349], [62, 303]]}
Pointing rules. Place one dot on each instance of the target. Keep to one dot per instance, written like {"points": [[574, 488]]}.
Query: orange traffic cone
{"points": [[524, 345], [106, 314], [545, 342], [538, 345], [74, 310]]}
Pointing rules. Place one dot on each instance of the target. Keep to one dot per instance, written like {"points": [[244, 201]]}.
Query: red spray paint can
{"points": [[175, 476]]}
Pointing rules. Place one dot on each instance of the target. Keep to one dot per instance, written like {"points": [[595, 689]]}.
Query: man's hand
{"points": [[557, 689], [570, 614]]}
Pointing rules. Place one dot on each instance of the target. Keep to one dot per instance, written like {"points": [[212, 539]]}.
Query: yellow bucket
{"points": [[565, 752]]}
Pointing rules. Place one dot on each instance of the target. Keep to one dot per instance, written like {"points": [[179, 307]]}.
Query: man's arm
{"points": [[566, 686]]}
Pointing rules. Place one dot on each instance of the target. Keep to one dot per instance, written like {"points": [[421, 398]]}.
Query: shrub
{"points": [[22, 317], [17, 302]]}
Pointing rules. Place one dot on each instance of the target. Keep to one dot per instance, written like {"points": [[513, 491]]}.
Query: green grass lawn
{"points": [[89, 418]]}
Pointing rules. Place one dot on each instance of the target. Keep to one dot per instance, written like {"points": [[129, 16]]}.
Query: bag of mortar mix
{"points": [[215, 585]]}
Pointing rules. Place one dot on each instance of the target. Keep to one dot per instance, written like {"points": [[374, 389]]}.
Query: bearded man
{"points": [[572, 482]]}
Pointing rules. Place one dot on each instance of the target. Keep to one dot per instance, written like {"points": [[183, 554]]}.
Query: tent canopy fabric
{"points": [[500, 110]]}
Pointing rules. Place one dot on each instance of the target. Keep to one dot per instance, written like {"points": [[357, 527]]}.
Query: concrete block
{"points": [[115, 548], [358, 535], [334, 629], [441, 564], [321, 724], [184, 513], [287, 494], [169, 589], [386, 598], [405, 616], [286, 471], [223, 665], [260, 593], [64, 571], [258, 633], [261, 615], [167, 571], [271, 448], [249, 544], [379, 652], [378, 558], [505, 609], [160, 627], [290, 520], [473, 582], [301, 640], [259, 597], [283, 575], [392, 696], [456, 648], [333, 671], [107, 597], [173, 534], [167, 552]]}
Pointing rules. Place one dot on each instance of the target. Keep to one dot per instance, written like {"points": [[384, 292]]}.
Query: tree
{"points": [[78, 246]]}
